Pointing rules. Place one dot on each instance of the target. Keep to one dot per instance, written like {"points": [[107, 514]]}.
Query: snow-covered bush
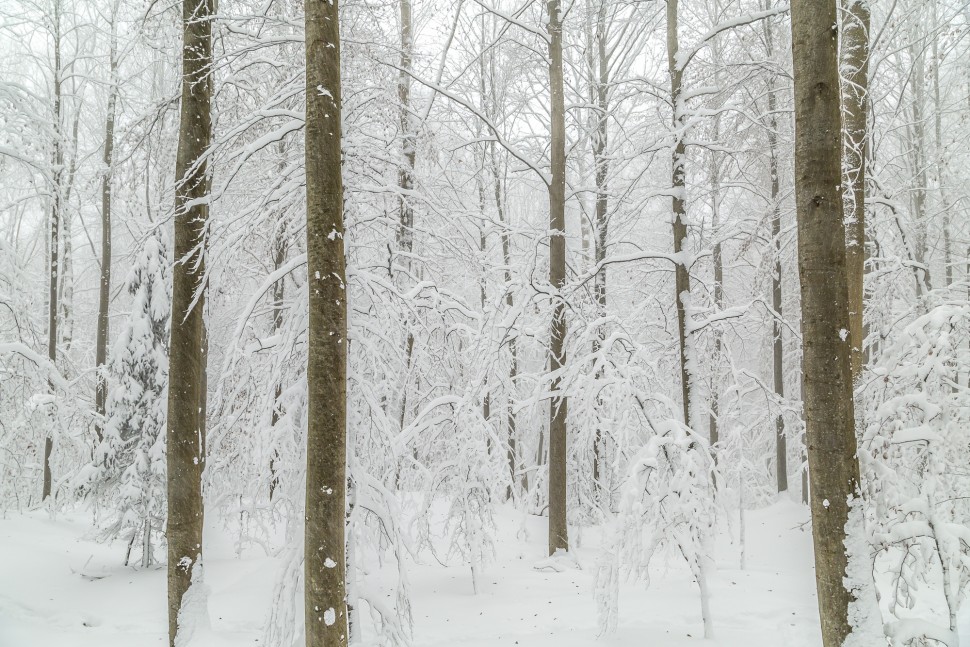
{"points": [[128, 470], [667, 507], [914, 455]]}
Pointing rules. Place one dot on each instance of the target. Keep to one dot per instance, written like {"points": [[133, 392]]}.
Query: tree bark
{"points": [[279, 256], [405, 173], [829, 412], [558, 532], [679, 200], [778, 357], [65, 186], [326, 476], [104, 288], [917, 137], [185, 435], [601, 165], [855, 104], [941, 157], [510, 425], [57, 157], [778, 362], [714, 435], [405, 182]]}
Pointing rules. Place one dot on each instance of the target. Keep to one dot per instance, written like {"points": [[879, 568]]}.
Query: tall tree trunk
{"points": [[326, 476], [829, 410], [601, 165], [483, 229], [718, 259], [778, 362], [917, 136], [188, 349], [777, 348], [104, 289], [714, 432], [57, 157], [941, 158], [405, 173], [513, 454], [855, 104], [558, 532], [679, 199], [405, 182]]}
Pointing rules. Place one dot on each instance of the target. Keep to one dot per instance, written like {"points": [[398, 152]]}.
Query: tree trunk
{"points": [[855, 103], [917, 136], [405, 182], [57, 156], [405, 173], [601, 165], [66, 283], [778, 362], [483, 285], [558, 532], [104, 292], [778, 358], [941, 158], [829, 411], [513, 454], [718, 260], [326, 476], [679, 199], [279, 256], [188, 349]]}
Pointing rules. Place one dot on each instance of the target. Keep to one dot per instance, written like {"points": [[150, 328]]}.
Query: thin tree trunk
{"points": [[513, 454], [777, 347], [941, 160], [602, 166], [325, 561], [917, 133], [558, 532], [679, 199], [405, 173], [279, 256], [829, 409], [405, 181], [483, 236], [718, 259], [55, 224], [66, 284], [104, 292], [778, 361], [855, 103], [188, 349]]}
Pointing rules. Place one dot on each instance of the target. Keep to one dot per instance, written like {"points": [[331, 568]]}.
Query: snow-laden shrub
{"points": [[914, 455], [667, 508], [127, 475]]}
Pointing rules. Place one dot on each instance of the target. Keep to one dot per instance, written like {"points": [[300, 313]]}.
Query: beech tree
{"points": [[188, 349], [558, 405], [826, 345], [104, 291], [326, 475]]}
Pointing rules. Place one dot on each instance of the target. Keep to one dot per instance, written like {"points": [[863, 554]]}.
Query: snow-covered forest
{"points": [[484, 322]]}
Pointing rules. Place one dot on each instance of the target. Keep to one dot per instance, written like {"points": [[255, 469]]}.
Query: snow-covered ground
{"points": [[58, 588]]}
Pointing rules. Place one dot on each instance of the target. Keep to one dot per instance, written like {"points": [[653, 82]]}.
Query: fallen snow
{"points": [[60, 588]]}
